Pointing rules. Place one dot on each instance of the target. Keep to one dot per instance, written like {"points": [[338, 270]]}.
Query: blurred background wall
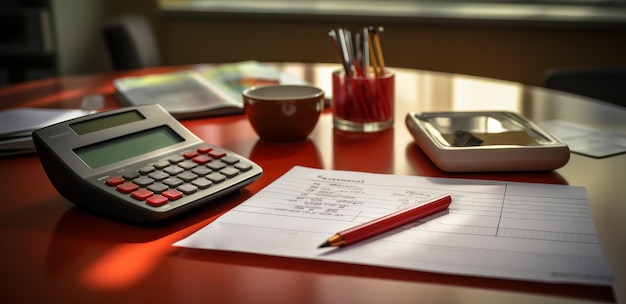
{"points": [[506, 50]]}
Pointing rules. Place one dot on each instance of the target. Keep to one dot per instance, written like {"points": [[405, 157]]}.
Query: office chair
{"points": [[131, 43], [607, 84]]}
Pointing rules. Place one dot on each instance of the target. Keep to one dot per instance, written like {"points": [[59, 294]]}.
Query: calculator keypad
{"points": [[175, 176]]}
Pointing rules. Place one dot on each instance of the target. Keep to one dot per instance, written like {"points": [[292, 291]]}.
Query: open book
{"points": [[213, 90]]}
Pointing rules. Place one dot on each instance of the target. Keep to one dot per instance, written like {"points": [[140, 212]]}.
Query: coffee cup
{"points": [[283, 113]]}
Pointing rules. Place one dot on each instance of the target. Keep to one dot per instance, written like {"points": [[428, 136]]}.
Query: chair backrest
{"points": [[131, 43], [607, 84]]}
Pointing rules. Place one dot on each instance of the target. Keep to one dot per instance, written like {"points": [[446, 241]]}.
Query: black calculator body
{"points": [[138, 164]]}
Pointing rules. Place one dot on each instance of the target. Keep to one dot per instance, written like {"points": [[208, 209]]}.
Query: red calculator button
{"points": [[141, 194], [204, 149], [114, 181], [157, 200], [202, 159], [217, 153], [172, 194], [127, 187], [190, 154]]}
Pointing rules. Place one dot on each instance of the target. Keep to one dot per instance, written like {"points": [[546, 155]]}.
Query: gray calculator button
{"points": [[173, 181], [161, 164], [229, 159], [130, 175], [187, 188], [187, 176], [201, 170], [243, 166], [216, 165], [174, 159], [158, 175], [216, 177], [158, 187], [187, 164], [229, 172], [173, 170], [143, 181], [202, 183], [146, 169]]}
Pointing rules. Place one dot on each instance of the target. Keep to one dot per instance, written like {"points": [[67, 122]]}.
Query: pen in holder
{"points": [[363, 103]]}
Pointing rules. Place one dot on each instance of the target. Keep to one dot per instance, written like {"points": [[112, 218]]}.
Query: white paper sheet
{"points": [[585, 140], [494, 229]]}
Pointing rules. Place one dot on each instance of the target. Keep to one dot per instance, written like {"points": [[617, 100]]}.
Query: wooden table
{"points": [[54, 252]]}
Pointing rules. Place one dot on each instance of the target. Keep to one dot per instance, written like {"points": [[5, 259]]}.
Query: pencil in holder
{"points": [[363, 103]]}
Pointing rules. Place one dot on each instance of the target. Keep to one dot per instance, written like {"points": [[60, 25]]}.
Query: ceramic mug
{"points": [[283, 113]]}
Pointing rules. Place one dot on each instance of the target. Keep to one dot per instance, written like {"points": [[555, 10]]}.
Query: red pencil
{"points": [[388, 222]]}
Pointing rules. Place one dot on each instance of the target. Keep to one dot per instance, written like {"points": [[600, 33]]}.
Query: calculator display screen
{"points": [[105, 122], [127, 146]]}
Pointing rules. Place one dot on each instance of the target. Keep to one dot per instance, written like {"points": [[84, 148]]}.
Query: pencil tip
{"points": [[326, 244]]}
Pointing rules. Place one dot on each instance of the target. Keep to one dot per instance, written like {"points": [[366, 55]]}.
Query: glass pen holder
{"points": [[363, 103]]}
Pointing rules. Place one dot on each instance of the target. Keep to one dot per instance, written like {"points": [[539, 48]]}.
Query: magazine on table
{"points": [[209, 90]]}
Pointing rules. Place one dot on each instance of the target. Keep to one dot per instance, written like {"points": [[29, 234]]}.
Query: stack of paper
{"points": [[17, 125]]}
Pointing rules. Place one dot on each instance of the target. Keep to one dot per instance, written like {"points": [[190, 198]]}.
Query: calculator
{"points": [[138, 164]]}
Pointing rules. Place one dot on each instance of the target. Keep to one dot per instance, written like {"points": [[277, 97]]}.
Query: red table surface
{"points": [[55, 252]]}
